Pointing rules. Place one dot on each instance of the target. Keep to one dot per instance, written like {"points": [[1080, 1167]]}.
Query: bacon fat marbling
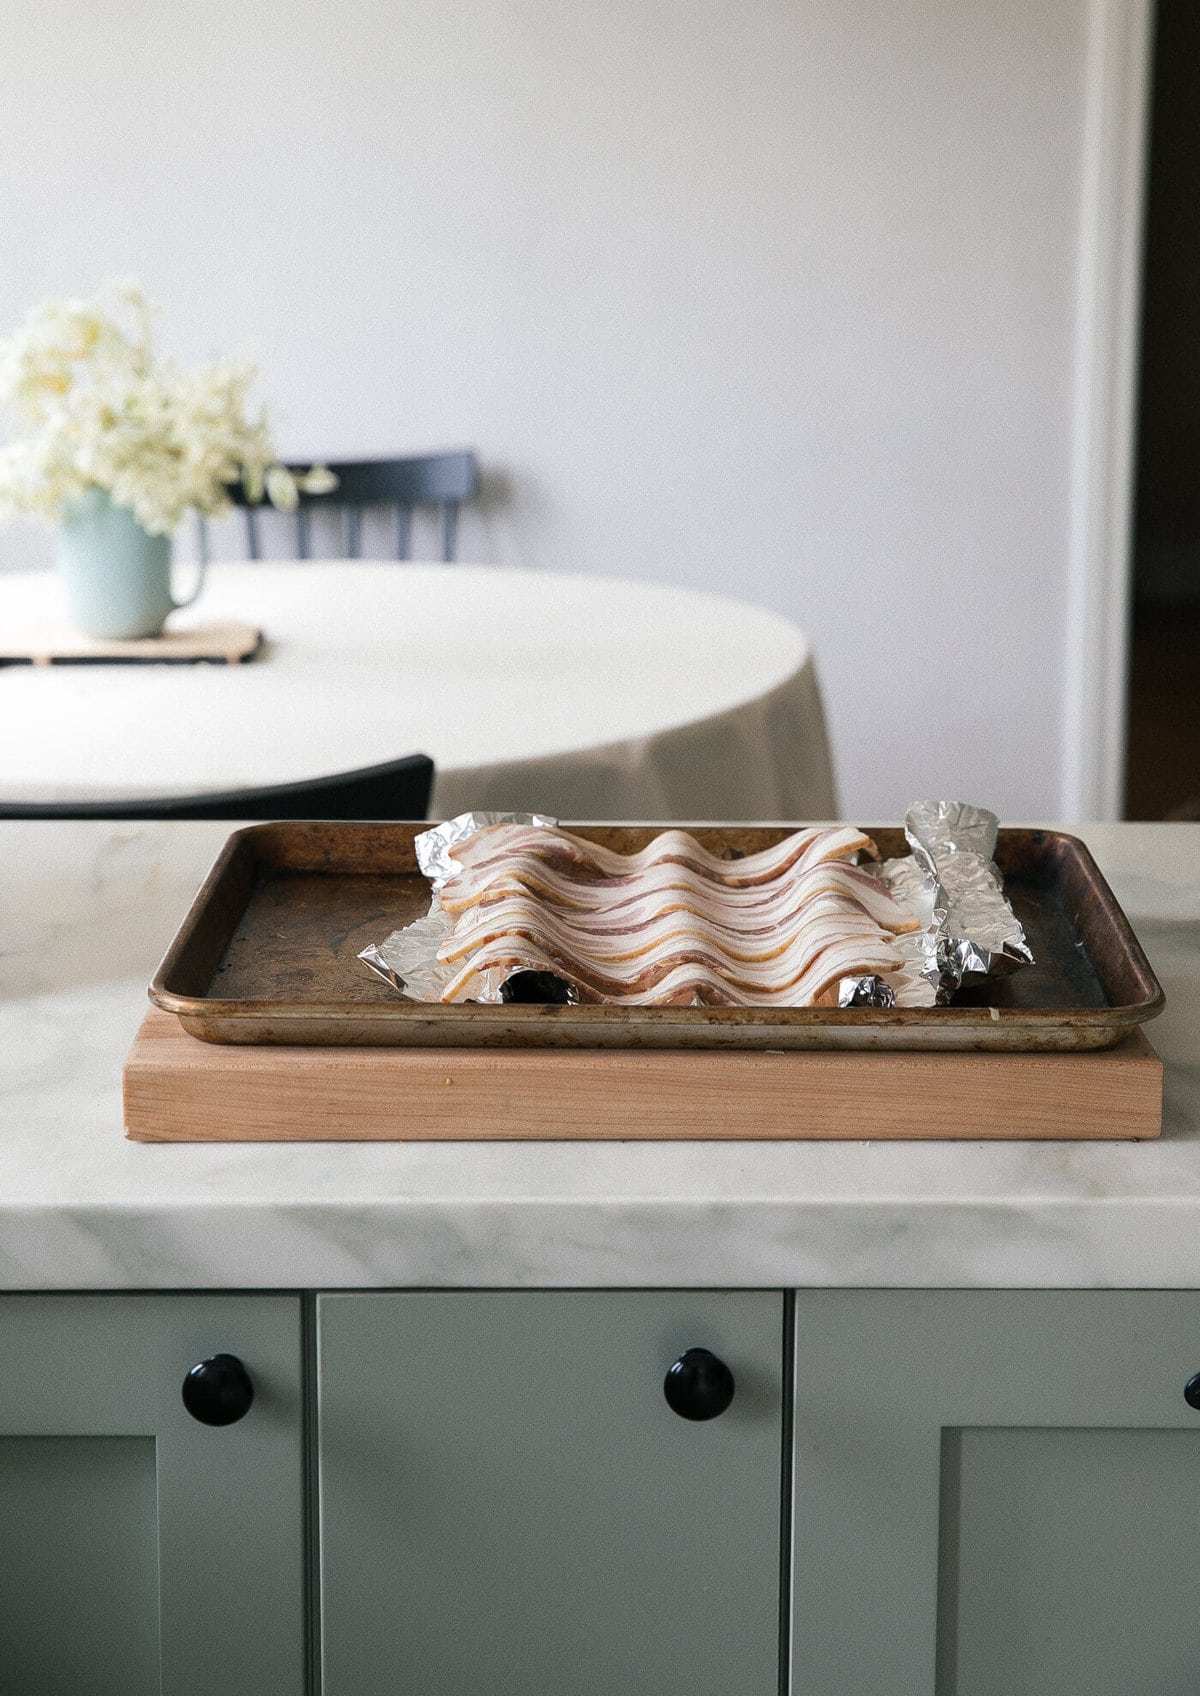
{"points": [[671, 925]]}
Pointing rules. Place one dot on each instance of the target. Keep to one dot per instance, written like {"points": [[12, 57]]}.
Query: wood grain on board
{"points": [[59, 644], [180, 1089]]}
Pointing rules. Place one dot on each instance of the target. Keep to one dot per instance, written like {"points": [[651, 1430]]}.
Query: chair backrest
{"points": [[399, 789], [441, 480]]}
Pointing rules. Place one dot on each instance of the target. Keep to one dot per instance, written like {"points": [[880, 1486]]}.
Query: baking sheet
{"points": [[269, 954]]}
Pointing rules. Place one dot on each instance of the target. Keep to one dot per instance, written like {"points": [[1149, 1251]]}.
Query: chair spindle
{"points": [[403, 531]]}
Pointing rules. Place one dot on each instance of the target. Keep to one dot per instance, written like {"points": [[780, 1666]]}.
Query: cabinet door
{"points": [[143, 1553], [509, 1505], [996, 1492]]}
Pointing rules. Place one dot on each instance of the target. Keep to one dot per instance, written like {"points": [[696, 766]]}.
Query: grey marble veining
{"points": [[86, 913]]}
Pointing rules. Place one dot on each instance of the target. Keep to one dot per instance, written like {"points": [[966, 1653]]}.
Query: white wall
{"points": [[775, 296]]}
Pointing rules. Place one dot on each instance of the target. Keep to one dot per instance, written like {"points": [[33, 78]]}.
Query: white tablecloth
{"points": [[579, 696]]}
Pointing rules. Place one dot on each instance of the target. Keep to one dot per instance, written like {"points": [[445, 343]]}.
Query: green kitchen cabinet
{"points": [[933, 1493], [509, 1505], [996, 1493], [144, 1552]]}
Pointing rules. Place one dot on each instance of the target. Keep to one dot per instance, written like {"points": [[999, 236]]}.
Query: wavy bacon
{"points": [[594, 938], [671, 888], [682, 982], [671, 925], [496, 844]]}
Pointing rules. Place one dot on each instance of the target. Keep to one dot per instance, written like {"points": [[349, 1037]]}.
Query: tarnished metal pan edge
{"points": [[184, 982]]}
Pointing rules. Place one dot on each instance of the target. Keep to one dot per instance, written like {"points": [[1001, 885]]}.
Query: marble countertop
{"points": [[87, 911]]}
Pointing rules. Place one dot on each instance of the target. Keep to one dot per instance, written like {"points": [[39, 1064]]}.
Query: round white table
{"points": [[583, 697]]}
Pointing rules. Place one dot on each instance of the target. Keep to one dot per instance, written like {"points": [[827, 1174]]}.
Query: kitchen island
{"points": [[89, 910], [932, 1418]]}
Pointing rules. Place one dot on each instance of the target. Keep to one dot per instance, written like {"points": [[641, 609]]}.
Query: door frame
{"points": [[1103, 425]]}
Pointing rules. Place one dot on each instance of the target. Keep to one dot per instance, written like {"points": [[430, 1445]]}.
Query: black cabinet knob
{"points": [[1191, 1391], [698, 1386], [218, 1391]]}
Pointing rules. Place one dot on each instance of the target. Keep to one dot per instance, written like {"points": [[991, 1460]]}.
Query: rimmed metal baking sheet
{"points": [[268, 953]]}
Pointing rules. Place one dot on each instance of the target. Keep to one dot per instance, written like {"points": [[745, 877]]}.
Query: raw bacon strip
{"points": [[498, 842], [597, 937], [614, 976], [671, 925], [684, 985], [671, 888]]}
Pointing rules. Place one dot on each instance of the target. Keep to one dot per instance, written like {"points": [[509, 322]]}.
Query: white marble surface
{"points": [[86, 913]]}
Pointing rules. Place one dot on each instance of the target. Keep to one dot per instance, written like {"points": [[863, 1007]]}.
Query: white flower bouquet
{"points": [[92, 406]]}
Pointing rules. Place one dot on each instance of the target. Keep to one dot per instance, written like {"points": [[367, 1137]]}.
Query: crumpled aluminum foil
{"points": [[407, 959], [871, 991], [433, 846], [970, 930]]}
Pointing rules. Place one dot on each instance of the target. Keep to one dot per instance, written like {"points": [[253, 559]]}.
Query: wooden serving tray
{"points": [[178, 1089], [59, 644], [269, 954]]}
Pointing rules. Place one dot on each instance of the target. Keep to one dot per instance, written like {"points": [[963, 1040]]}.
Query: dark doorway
{"points": [[1162, 767]]}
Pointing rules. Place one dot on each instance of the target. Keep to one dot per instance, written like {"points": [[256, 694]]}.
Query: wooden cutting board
{"points": [[59, 644], [179, 1089]]}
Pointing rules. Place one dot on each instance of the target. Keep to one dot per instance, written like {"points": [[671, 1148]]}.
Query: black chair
{"points": [[441, 480], [398, 790]]}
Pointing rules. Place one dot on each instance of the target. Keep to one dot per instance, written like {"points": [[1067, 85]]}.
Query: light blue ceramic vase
{"points": [[116, 577]]}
